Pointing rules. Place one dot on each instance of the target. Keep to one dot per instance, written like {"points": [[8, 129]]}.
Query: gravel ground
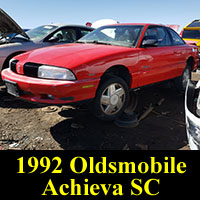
{"points": [[24, 125]]}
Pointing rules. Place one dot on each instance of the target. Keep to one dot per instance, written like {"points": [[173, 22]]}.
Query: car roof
{"points": [[141, 24], [70, 25]]}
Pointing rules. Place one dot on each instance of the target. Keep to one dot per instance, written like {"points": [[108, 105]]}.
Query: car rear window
{"points": [[195, 23], [193, 34]]}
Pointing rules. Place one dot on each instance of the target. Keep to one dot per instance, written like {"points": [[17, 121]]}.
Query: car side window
{"points": [[160, 33], [176, 39], [65, 35], [84, 32]]}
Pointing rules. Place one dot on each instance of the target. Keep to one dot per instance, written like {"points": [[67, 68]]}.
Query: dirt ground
{"points": [[24, 125]]}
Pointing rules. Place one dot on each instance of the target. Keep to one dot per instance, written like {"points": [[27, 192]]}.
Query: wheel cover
{"points": [[112, 99]]}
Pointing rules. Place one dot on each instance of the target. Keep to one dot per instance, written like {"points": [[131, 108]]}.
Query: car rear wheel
{"points": [[181, 82], [111, 98]]}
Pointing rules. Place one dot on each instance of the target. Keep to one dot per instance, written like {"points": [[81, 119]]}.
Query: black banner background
{"points": [[25, 186]]}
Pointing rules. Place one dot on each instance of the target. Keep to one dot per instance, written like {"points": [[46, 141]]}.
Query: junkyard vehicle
{"points": [[192, 113], [4, 39], [42, 36], [191, 33], [103, 67]]}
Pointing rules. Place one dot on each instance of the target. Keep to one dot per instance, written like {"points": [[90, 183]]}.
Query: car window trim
{"points": [[139, 36]]}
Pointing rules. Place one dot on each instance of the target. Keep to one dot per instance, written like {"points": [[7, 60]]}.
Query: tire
{"points": [[181, 82], [132, 104], [111, 98]]}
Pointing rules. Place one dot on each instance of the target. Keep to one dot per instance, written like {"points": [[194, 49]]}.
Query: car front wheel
{"points": [[111, 98]]}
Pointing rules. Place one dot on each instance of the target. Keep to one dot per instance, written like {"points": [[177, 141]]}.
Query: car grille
{"points": [[13, 65], [31, 69]]}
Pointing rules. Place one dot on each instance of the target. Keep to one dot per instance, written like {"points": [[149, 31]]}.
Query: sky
{"points": [[30, 14]]}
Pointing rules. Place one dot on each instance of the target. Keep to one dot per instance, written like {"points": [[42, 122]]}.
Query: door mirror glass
{"points": [[150, 41]]}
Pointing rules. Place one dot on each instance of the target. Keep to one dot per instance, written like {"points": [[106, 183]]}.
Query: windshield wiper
{"points": [[99, 42], [80, 42], [94, 42]]}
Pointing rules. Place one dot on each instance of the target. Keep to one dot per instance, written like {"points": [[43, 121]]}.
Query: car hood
{"points": [[8, 26], [72, 55]]}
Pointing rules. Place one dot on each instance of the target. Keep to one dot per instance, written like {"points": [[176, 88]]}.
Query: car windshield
{"points": [[123, 35], [40, 32], [195, 23], [193, 34]]}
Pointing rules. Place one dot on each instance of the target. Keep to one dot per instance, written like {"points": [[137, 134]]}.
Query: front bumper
{"points": [[52, 91], [192, 121]]}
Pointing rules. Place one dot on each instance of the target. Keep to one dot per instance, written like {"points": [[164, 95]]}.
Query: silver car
{"points": [[41, 36], [192, 114]]}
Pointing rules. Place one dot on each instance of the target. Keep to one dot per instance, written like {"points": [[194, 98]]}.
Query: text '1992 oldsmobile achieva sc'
{"points": [[103, 66]]}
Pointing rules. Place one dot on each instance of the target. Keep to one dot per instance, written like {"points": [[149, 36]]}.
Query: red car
{"points": [[103, 66]]}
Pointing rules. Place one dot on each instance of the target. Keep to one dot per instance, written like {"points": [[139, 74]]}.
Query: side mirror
{"points": [[53, 39], [149, 41]]}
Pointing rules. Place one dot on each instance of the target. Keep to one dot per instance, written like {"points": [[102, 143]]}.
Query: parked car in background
{"points": [[3, 40], [42, 36], [192, 114], [191, 33], [103, 67]]}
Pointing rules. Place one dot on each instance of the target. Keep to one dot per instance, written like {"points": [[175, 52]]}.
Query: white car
{"points": [[192, 114]]}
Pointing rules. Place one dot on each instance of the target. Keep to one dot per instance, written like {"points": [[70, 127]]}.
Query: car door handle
{"points": [[176, 52]]}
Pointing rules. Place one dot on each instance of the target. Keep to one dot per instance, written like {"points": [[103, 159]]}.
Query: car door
{"points": [[180, 52], [156, 63]]}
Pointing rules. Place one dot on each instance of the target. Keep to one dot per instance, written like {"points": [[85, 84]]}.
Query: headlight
{"points": [[51, 72]]}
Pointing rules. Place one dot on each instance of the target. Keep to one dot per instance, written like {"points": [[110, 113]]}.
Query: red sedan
{"points": [[103, 67]]}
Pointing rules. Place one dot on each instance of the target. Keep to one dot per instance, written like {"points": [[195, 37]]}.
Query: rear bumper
{"points": [[52, 91]]}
